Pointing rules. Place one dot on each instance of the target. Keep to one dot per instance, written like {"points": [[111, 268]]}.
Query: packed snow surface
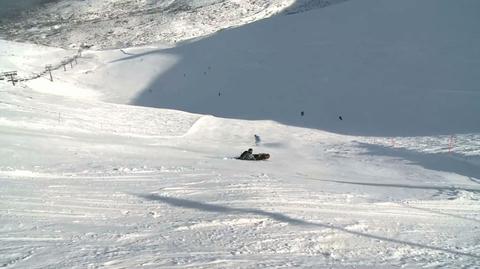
{"points": [[126, 159]]}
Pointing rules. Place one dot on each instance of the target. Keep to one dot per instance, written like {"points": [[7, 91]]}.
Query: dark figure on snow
{"points": [[340, 118], [257, 139], [247, 155]]}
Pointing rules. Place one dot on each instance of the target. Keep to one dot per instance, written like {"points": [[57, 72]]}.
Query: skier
{"points": [[247, 155], [257, 139]]}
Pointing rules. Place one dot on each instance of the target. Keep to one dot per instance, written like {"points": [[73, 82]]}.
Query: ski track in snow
{"points": [[196, 217], [86, 183], [129, 186], [108, 204]]}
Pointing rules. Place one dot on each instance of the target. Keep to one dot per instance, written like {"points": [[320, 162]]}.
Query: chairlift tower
{"points": [[11, 76]]}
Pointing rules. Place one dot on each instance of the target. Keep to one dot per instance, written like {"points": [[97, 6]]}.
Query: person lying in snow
{"points": [[249, 156]]}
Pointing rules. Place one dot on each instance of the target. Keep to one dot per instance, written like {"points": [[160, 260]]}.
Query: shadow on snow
{"points": [[433, 161], [385, 75], [190, 204]]}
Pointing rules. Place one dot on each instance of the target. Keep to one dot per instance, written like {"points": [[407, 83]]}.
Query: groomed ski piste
{"points": [[126, 159]]}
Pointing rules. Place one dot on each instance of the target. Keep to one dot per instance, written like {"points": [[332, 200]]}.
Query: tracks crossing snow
{"points": [[185, 216]]}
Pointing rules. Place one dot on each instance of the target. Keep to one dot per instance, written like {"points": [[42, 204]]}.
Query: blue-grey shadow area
{"points": [[358, 68], [445, 162], [307, 5], [440, 213], [401, 186], [196, 205], [11, 8]]}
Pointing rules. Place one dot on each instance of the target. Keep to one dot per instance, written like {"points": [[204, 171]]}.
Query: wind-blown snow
{"points": [[89, 180]]}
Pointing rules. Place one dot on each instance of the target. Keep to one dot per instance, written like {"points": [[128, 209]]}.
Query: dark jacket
{"points": [[246, 155]]}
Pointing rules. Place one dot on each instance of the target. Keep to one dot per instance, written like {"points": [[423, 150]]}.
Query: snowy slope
{"points": [[89, 180], [124, 23], [381, 65], [91, 184]]}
